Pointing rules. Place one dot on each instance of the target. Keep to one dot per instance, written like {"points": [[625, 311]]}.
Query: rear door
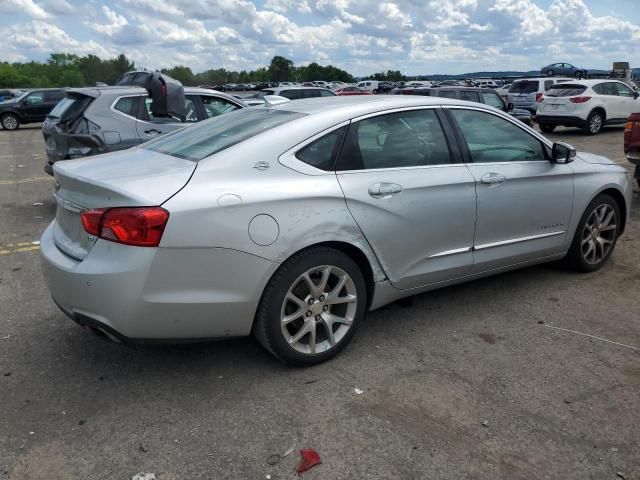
{"points": [[413, 199], [524, 200]]}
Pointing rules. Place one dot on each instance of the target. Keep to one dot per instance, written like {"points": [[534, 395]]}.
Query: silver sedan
{"points": [[292, 220]]}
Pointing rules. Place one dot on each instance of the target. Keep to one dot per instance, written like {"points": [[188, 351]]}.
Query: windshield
{"points": [[524, 86], [565, 90], [221, 132]]}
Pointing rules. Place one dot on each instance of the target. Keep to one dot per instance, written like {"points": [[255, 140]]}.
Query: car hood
{"points": [[8, 103], [596, 159]]}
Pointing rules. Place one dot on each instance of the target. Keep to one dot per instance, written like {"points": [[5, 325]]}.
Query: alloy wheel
{"points": [[599, 234], [596, 123], [10, 122], [318, 309]]}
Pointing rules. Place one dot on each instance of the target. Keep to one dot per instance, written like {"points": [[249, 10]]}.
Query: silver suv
{"points": [[89, 121], [527, 92]]}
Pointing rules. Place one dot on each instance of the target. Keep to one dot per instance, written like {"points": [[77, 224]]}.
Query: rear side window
{"points": [[291, 94], [128, 105], [322, 152], [566, 90], [395, 140], [524, 86], [492, 99], [329, 93], [53, 95], [219, 133], [608, 88], [310, 93], [469, 96]]}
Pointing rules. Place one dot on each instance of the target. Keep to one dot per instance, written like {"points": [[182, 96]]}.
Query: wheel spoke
{"points": [[607, 219], [326, 273], [589, 250], [340, 300], [335, 291], [328, 327], [608, 227], [290, 318], [309, 325], [331, 318], [313, 288], [294, 298]]}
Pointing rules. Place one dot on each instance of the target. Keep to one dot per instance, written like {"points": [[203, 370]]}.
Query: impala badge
{"points": [[262, 165]]}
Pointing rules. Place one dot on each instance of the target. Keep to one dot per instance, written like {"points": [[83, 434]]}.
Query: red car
{"points": [[351, 91], [632, 142]]}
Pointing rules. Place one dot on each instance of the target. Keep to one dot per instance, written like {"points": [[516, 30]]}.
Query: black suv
{"points": [[30, 107], [470, 94]]}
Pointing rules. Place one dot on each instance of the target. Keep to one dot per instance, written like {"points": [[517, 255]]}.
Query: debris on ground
{"points": [[142, 448], [15, 269], [288, 451], [308, 458], [144, 476], [358, 391], [37, 242], [273, 459], [620, 475], [7, 374], [485, 423], [37, 204]]}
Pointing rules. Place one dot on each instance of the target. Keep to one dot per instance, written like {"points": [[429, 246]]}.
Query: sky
{"points": [[360, 36]]}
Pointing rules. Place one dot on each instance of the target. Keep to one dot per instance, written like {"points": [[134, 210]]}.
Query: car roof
{"points": [[129, 90], [296, 87], [362, 105], [592, 82]]}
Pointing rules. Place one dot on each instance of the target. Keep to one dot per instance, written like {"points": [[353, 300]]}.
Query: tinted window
{"points": [[214, 106], [565, 90], [448, 94], [623, 90], [35, 98], [322, 152], [607, 88], [403, 139], [291, 94], [191, 114], [128, 105], [524, 86], [493, 139], [329, 93], [492, 99], [221, 132], [310, 93], [469, 96], [54, 95], [548, 84]]}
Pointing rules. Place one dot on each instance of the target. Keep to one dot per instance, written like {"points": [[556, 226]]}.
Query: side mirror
{"points": [[562, 153], [636, 94]]}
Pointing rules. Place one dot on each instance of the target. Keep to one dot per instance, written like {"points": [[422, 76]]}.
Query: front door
{"points": [[524, 200], [627, 100], [34, 107], [414, 204]]}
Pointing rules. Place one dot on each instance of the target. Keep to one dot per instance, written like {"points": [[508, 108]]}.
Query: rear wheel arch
{"points": [[600, 110]]}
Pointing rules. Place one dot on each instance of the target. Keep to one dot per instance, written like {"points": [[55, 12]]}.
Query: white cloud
{"points": [[23, 6]]}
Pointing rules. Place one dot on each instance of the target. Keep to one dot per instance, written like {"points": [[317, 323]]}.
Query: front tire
{"points": [[311, 307], [550, 73], [10, 121], [594, 123], [596, 235]]}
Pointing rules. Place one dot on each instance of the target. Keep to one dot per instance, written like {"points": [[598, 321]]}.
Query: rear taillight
{"points": [[137, 226], [628, 126], [579, 99], [539, 97]]}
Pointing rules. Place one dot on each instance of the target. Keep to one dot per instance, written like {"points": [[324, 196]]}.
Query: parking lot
{"points": [[468, 382]]}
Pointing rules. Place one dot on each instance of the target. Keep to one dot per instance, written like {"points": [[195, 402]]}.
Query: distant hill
{"points": [[502, 74]]}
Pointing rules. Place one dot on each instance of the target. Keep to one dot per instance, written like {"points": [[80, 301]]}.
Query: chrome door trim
{"points": [[455, 251], [517, 240]]}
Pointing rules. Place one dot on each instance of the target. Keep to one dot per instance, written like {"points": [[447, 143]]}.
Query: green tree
{"points": [[281, 69], [182, 74]]}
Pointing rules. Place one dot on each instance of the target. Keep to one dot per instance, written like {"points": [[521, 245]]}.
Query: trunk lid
{"points": [[129, 178], [557, 100]]}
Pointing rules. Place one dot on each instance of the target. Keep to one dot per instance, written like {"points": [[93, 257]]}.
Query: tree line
{"points": [[69, 70]]}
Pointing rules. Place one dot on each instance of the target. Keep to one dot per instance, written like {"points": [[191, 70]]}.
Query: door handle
{"points": [[384, 189], [492, 178], [152, 131]]}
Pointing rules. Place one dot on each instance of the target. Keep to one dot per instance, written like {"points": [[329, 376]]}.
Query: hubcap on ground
{"points": [[598, 234], [318, 309]]}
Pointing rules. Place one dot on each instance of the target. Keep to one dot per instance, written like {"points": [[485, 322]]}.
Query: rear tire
{"points": [[10, 121], [304, 323], [550, 73], [594, 123], [596, 235], [547, 127]]}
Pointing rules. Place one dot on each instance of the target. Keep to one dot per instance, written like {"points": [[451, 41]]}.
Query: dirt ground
{"points": [[468, 382]]}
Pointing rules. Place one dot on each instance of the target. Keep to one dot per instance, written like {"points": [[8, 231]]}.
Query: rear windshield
{"points": [[565, 90], [219, 133], [524, 86], [69, 108]]}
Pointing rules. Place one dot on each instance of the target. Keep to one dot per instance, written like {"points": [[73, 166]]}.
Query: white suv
{"points": [[587, 104]]}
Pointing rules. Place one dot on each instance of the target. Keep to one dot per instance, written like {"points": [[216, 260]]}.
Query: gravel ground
{"points": [[467, 382]]}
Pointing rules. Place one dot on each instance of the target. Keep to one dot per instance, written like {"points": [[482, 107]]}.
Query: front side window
{"points": [[608, 88], [214, 106], [469, 96], [395, 140], [493, 99], [35, 98], [219, 133], [493, 139], [322, 152], [623, 90]]}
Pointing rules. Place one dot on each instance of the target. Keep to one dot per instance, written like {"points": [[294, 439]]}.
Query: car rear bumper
{"points": [[157, 294], [564, 120]]}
